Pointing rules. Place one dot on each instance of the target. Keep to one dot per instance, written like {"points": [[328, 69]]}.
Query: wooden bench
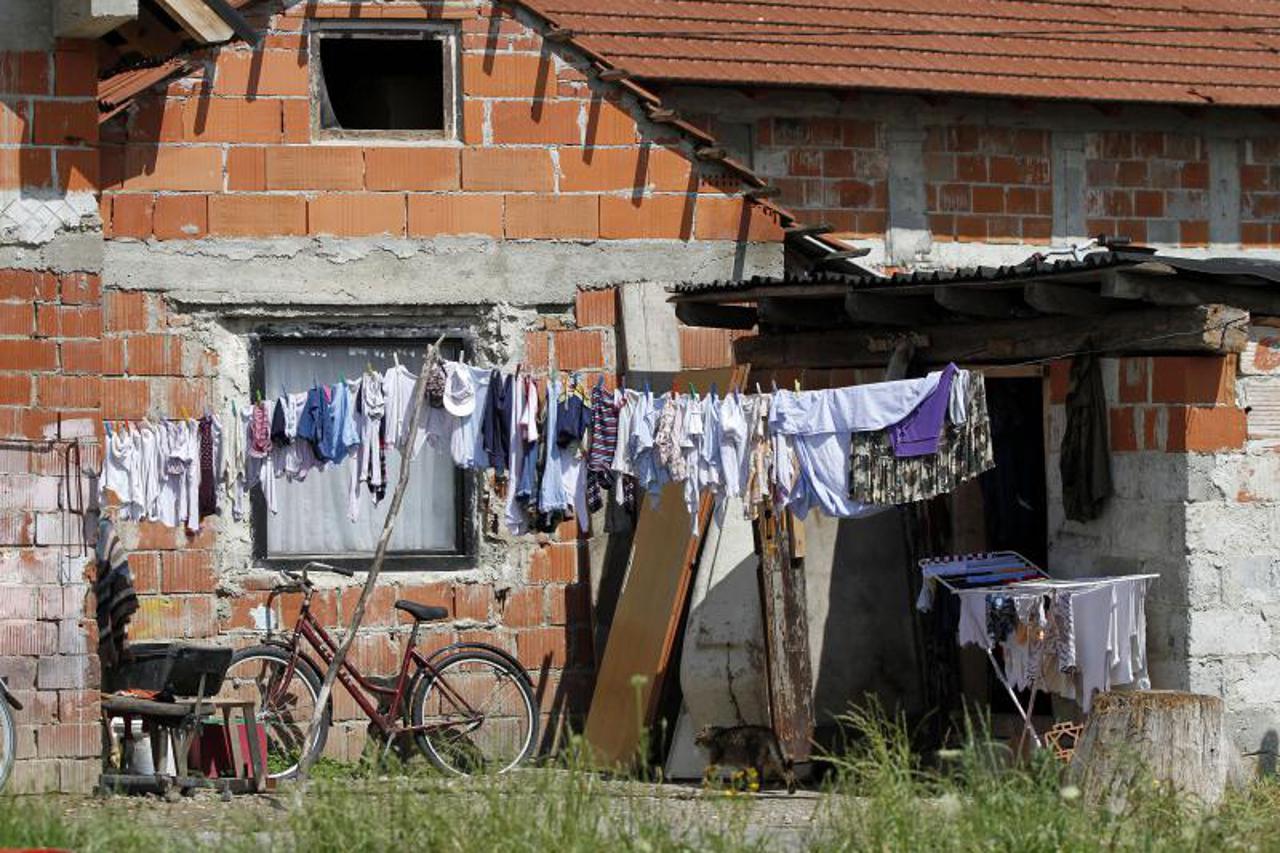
{"points": [[178, 724]]}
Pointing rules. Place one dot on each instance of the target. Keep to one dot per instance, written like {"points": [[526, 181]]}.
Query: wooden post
{"points": [[384, 542], [786, 629]]}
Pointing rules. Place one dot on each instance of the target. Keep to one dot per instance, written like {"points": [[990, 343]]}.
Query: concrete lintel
{"points": [[442, 271], [89, 19]]}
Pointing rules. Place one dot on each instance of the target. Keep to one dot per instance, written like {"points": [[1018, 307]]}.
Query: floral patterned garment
{"points": [[877, 476]]}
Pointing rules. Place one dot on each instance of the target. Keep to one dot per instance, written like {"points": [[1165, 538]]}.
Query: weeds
{"points": [[881, 796]]}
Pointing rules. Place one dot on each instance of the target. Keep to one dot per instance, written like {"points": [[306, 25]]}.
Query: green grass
{"points": [[979, 803], [879, 797]]}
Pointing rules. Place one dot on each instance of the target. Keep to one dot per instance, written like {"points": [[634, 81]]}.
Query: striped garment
{"points": [[604, 440]]}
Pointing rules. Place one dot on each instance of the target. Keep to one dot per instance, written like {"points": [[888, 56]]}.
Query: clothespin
{"points": [[693, 389], [106, 425], [758, 391], [647, 388], [797, 384], [714, 391], [396, 356]]}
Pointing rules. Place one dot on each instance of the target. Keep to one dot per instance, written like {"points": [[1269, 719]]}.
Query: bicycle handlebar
{"points": [[295, 576]]}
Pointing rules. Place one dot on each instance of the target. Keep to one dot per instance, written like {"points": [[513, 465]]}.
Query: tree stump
{"points": [[1164, 736]]}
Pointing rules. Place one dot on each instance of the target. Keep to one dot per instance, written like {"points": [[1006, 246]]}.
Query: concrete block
{"points": [[89, 19], [1252, 579], [34, 777], [909, 240], [25, 25], [1255, 682], [1227, 632], [1069, 183], [1224, 192], [1207, 676], [650, 333], [66, 672]]}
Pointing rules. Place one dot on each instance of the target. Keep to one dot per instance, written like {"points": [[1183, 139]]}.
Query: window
{"points": [[311, 521], [384, 83]]}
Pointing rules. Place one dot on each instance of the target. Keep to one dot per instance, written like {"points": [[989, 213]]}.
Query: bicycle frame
{"points": [[361, 688]]}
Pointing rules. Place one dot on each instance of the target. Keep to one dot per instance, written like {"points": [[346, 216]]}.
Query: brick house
{"points": [[180, 221]]}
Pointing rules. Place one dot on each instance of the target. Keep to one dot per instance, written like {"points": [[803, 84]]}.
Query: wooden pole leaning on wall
{"points": [[375, 568]]}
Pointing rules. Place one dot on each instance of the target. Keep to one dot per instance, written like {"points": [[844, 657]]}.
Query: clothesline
{"points": [[560, 449]]}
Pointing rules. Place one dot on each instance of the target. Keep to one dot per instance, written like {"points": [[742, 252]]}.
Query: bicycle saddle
{"points": [[422, 612]]}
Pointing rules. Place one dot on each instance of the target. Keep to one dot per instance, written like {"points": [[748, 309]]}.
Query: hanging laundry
{"points": [[207, 490], [604, 445], [496, 427], [917, 434], [1085, 462], [879, 476], [553, 498], [115, 598], [233, 472]]}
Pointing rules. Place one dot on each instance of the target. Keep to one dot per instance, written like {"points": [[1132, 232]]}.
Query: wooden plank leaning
{"points": [[375, 568]]}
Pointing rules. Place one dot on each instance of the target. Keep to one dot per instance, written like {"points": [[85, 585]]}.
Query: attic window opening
{"points": [[401, 83]]}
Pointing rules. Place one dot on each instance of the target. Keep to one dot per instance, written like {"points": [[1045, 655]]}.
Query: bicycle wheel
{"points": [[8, 741], [481, 712], [285, 710]]}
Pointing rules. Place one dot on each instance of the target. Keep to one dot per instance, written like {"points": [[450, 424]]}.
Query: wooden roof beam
{"points": [[1064, 299], [1180, 291], [996, 304], [875, 309], [715, 316], [1215, 329]]}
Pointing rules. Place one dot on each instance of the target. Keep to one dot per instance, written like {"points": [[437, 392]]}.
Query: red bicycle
{"points": [[469, 706]]}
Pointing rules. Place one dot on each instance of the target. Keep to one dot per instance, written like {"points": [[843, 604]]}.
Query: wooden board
{"points": [[647, 617], [201, 22]]}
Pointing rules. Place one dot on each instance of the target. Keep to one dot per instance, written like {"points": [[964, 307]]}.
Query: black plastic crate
{"points": [[175, 667]]}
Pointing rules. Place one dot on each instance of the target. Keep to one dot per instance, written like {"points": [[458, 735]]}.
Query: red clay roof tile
{"points": [[1162, 51]]}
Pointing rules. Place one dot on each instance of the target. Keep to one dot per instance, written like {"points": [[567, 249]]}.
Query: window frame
{"points": [[446, 32], [465, 485]]}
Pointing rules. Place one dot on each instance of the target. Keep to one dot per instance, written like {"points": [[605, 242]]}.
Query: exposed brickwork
{"points": [[988, 184], [1175, 404], [829, 170], [49, 119], [544, 155], [1149, 187]]}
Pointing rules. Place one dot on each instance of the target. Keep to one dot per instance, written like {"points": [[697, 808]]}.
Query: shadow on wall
{"points": [[861, 615]]}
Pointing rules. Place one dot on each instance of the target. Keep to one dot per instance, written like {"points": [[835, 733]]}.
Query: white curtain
{"points": [[312, 518]]}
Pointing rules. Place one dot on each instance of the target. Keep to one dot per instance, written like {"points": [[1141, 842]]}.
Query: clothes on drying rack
{"points": [[1073, 638]]}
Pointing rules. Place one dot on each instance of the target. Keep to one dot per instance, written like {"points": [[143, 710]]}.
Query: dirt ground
{"points": [[784, 820]]}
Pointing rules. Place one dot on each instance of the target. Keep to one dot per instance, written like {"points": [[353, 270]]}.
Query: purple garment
{"points": [[917, 434]]}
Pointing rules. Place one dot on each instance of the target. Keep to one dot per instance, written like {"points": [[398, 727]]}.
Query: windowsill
{"points": [[406, 138]]}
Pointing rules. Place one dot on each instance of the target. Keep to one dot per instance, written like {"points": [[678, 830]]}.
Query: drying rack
{"points": [[1003, 571]]}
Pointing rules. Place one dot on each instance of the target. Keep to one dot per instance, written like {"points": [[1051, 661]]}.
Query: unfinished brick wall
{"points": [[988, 184], [50, 348], [1152, 187], [49, 120], [992, 182], [542, 154], [829, 170]]}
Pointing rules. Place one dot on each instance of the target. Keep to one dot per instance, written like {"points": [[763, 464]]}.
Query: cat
{"points": [[749, 747]]}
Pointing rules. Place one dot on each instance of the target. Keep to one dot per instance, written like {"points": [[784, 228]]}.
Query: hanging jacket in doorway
{"points": [[1085, 461]]}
